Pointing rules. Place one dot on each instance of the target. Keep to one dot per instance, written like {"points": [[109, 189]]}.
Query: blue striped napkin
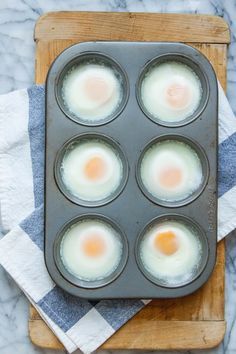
{"points": [[77, 323]]}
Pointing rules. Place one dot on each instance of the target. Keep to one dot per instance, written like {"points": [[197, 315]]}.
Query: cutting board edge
{"points": [[199, 340], [221, 33]]}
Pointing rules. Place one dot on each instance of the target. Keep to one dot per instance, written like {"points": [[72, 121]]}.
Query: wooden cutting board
{"points": [[196, 321]]}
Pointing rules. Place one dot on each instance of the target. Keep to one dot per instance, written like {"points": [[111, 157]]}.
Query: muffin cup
{"points": [[205, 170], [84, 138], [201, 237], [93, 283], [92, 58], [199, 71]]}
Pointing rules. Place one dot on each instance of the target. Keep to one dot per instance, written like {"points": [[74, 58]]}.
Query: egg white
{"points": [[157, 81], [178, 267], [171, 153], [85, 267], [79, 103], [74, 178]]}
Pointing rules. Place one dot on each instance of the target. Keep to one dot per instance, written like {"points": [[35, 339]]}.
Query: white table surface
{"points": [[17, 20]]}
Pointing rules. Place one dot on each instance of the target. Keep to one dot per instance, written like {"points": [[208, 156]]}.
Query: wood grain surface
{"points": [[195, 321]]}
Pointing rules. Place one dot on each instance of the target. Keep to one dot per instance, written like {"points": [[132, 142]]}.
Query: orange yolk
{"points": [[170, 177], [166, 242], [178, 96], [94, 246], [95, 168], [97, 89]]}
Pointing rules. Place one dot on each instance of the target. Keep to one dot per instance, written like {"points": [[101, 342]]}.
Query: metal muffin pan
{"points": [[132, 130]]}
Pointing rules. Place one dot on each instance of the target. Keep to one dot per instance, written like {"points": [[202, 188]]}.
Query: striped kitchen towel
{"points": [[77, 323]]}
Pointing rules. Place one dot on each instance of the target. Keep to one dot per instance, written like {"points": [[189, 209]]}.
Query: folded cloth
{"points": [[77, 323]]}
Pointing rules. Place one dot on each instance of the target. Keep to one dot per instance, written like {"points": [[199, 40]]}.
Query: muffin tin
{"points": [[130, 130]]}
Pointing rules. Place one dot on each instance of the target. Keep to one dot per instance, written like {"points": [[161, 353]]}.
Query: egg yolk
{"points": [[95, 168], [97, 89], [170, 177], [178, 96], [166, 242], [94, 246]]}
